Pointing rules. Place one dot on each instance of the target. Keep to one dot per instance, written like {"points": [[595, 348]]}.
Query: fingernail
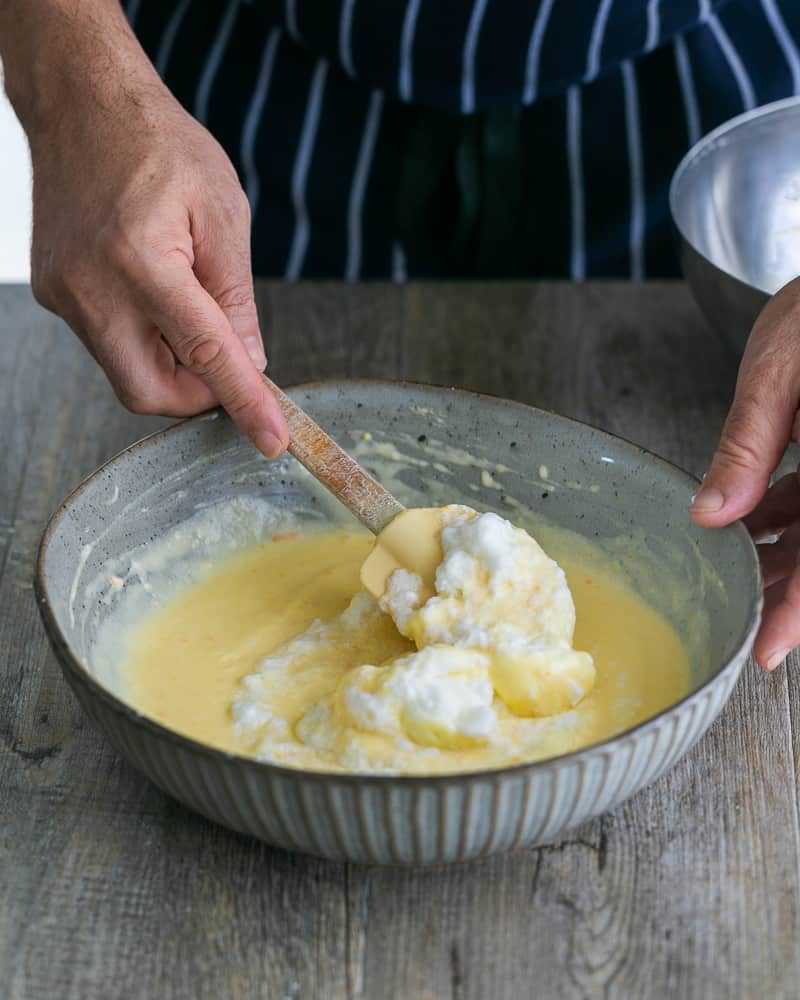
{"points": [[255, 349], [707, 500], [777, 659], [268, 444]]}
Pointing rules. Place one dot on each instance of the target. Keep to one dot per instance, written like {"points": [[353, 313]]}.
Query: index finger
{"points": [[197, 330], [780, 630]]}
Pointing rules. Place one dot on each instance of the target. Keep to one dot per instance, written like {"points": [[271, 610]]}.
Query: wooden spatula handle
{"points": [[334, 468]]}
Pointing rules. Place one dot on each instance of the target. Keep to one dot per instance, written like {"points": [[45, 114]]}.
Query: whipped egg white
{"points": [[494, 641]]}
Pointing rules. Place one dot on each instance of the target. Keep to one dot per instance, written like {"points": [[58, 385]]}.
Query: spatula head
{"points": [[411, 541]]}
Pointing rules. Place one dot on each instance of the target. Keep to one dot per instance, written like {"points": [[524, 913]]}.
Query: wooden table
{"points": [[110, 889]]}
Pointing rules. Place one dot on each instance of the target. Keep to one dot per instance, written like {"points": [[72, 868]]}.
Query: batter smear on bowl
{"points": [[506, 656]]}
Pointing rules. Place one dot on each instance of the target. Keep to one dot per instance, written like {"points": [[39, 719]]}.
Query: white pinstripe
{"points": [[215, 55], [531, 87], [575, 164], [399, 268], [785, 41], [345, 32], [355, 207], [704, 10], [168, 38], [635, 160], [653, 25], [302, 162], [468, 56], [596, 40], [291, 20], [735, 63], [252, 119], [686, 81], [132, 10], [405, 76]]}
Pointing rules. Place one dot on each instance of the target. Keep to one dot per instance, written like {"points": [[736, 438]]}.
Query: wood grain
{"points": [[110, 889]]}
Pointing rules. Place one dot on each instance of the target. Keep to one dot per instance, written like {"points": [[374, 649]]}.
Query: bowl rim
{"points": [[78, 674], [702, 148]]}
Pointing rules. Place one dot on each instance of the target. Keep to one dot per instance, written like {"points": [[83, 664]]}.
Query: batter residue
{"points": [[280, 654]]}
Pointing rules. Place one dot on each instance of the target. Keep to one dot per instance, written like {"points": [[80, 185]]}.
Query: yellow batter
{"points": [[192, 663]]}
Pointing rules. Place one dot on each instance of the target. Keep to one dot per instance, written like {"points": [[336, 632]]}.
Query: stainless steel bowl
{"points": [[706, 582], [735, 200]]}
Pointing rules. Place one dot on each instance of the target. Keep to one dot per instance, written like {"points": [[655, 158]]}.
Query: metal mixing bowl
{"points": [[706, 582], [735, 200]]}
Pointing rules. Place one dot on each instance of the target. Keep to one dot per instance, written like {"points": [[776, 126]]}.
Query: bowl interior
{"points": [[567, 482], [736, 196]]}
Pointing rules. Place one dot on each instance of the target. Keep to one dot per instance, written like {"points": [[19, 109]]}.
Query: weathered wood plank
{"points": [[687, 890], [324, 331], [111, 889]]}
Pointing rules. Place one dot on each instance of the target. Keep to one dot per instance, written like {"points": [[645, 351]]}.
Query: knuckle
{"points": [[118, 248], [203, 354], [144, 233], [736, 450], [749, 430], [124, 246], [237, 208], [236, 296], [134, 236], [137, 397]]}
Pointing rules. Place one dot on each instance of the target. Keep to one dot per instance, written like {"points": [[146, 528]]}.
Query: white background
{"points": [[15, 196]]}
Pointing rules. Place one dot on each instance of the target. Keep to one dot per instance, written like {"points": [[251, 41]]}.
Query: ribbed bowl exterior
{"points": [[406, 820]]}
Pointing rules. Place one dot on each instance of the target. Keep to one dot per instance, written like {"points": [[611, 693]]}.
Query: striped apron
{"points": [[482, 138]]}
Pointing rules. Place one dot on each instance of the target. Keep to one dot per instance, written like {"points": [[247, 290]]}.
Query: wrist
{"points": [[62, 54]]}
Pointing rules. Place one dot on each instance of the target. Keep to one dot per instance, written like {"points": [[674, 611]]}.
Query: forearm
{"points": [[62, 53]]}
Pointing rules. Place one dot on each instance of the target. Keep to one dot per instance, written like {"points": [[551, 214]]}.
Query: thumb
{"points": [[754, 438], [222, 266], [237, 301]]}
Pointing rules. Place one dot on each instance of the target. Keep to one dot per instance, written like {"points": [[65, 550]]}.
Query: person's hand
{"points": [[763, 419], [141, 242]]}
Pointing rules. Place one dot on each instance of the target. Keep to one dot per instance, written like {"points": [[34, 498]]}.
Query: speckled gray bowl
{"points": [[578, 478]]}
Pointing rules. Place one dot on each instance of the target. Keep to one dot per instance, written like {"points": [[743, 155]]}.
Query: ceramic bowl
{"points": [[735, 201], [572, 476]]}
